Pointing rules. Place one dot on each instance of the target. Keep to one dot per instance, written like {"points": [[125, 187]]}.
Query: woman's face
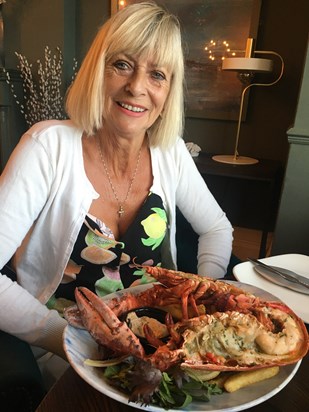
{"points": [[136, 89]]}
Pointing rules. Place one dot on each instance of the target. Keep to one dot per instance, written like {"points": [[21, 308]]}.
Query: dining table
{"points": [[72, 394]]}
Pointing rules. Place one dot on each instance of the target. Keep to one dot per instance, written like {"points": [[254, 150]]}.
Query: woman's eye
{"points": [[158, 75], [121, 65]]}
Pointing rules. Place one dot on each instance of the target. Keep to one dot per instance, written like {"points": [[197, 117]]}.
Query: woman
{"points": [[80, 199]]}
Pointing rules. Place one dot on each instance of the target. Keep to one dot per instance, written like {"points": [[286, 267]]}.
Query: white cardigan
{"points": [[44, 197]]}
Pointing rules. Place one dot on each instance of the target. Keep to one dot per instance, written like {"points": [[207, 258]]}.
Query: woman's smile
{"points": [[132, 108]]}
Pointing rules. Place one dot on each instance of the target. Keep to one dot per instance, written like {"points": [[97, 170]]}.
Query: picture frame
{"points": [[207, 27]]}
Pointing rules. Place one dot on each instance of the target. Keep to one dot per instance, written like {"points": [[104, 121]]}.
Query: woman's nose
{"points": [[137, 83]]}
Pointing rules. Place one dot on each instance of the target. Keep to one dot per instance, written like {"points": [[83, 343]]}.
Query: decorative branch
{"points": [[43, 91]]}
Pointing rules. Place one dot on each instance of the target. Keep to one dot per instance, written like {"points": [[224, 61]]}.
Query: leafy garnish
{"points": [[170, 394], [147, 385]]}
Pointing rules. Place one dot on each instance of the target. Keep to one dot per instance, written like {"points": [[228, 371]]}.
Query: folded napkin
{"points": [[193, 148]]}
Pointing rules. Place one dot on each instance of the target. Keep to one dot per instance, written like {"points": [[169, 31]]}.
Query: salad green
{"points": [[147, 385]]}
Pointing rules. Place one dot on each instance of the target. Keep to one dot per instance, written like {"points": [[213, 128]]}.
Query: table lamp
{"points": [[247, 67]]}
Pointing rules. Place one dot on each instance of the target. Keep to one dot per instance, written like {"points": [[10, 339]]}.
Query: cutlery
{"points": [[283, 273]]}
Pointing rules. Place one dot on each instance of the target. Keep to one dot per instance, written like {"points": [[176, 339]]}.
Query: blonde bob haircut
{"points": [[143, 29]]}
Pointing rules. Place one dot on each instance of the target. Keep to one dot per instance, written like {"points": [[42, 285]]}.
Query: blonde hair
{"points": [[143, 29]]}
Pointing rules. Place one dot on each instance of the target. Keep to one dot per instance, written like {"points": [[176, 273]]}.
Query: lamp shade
{"points": [[247, 64]]}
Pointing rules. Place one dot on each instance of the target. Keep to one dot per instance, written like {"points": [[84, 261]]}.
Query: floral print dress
{"points": [[104, 264]]}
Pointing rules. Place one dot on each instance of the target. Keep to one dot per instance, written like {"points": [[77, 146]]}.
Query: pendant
{"points": [[120, 211]]}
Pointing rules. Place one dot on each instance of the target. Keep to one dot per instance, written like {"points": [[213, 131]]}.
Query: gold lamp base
{"points": [[235, 160]]}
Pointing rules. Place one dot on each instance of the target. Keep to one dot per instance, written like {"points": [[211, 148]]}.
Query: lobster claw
{"points": [[104, 326]]}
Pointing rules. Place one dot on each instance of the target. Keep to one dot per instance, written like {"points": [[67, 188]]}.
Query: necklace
{"points": [[121, 210]]}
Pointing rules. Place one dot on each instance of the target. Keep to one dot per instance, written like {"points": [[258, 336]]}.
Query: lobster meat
{"points": [[237, 331]]}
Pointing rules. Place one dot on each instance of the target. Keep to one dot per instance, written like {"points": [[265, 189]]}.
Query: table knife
{"points": [[288, 275]]}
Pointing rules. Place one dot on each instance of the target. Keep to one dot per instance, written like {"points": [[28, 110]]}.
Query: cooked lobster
{"points": [[237, 331]]}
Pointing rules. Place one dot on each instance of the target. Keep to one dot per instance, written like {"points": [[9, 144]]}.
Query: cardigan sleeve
{"points": [[206, 217], [25, 317], [24, 187]]}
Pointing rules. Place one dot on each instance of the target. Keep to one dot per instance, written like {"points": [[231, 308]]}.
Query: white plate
{"points": [[298, 302], [79, 345]]}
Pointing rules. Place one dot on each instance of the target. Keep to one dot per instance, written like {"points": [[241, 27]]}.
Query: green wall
{"points": [[292, 228]]}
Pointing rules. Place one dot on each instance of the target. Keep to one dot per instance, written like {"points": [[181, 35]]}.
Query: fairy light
{"points": [[218, 50]]}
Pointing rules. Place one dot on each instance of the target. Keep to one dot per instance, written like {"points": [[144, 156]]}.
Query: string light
{"points": [[218, 49]]}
